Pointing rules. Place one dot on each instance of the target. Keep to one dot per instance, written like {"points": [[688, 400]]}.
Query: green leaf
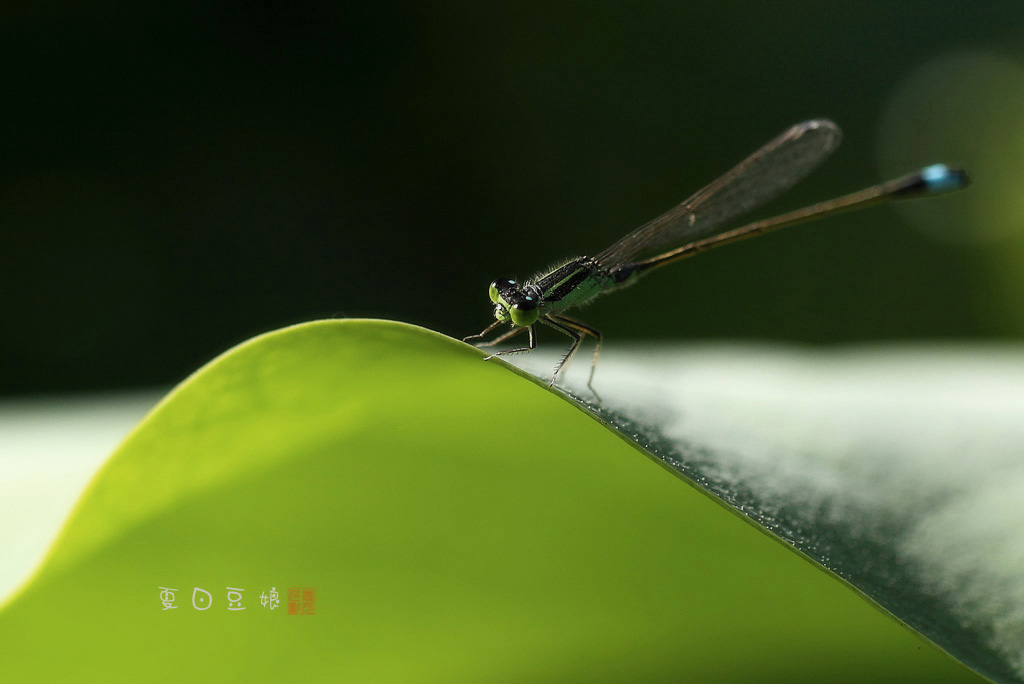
{"points": [[458, 523]]}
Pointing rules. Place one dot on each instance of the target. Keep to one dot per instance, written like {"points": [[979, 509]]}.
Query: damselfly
{"points": [[693, 226]]}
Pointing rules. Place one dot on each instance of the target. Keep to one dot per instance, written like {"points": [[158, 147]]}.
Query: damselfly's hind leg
{"points": [[598, 338], [577, 333]]}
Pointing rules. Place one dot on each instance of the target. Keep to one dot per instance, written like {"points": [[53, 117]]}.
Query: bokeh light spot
{"points": [[964, 109]]}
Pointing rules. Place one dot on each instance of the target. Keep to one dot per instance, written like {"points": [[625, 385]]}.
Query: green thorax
{"points": [[570, 285]]}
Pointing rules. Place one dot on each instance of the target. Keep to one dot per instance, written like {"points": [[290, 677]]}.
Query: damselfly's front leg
{"points": [[501, 338], [518, 350], [483, 332]]}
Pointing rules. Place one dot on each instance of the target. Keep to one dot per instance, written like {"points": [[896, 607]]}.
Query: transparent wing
{"points": [[762, 176]]}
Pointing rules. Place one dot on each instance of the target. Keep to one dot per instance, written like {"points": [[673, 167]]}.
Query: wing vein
{"points": [[764, 175]]}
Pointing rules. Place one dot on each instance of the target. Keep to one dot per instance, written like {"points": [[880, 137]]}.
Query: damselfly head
{"points": [[512, 304]]}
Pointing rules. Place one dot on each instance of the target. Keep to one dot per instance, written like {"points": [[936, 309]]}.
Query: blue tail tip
{"points": [[941, 178]]}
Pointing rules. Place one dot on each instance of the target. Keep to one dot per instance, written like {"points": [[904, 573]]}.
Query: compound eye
{"points": [[498, 286], [524, 312]]}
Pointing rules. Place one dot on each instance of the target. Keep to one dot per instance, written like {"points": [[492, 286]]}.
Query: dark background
{"points": [[178, 177]]}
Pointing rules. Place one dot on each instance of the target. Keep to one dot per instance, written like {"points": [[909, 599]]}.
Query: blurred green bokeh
{"points": [[180, 176]]}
